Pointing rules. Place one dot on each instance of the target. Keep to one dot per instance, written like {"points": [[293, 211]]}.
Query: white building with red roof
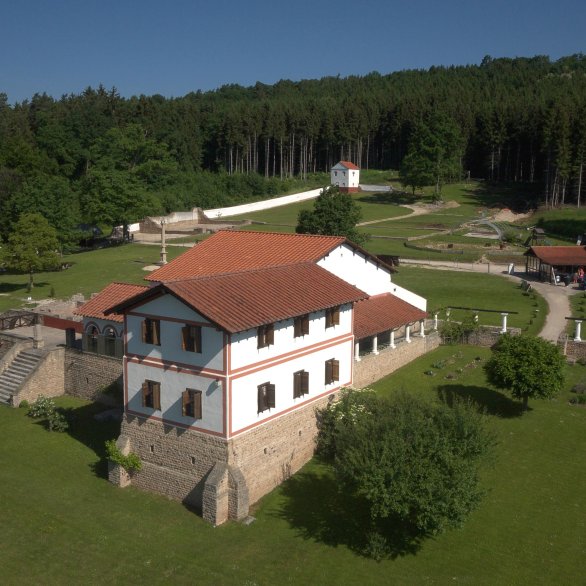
{"points": [[346, 176], [232, 348]]}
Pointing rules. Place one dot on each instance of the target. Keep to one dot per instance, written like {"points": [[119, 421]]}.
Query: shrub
{"points": [[130, 463], [45, 408]]}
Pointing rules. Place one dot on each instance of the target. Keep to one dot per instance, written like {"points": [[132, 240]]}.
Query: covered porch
{"points": [[555, 264]]}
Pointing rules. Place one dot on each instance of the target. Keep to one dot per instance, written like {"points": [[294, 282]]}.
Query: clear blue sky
{"points": [[172, 47]]}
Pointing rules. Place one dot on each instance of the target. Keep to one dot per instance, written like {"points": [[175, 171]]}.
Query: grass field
{"points": [[63, 523], [477, 290]]}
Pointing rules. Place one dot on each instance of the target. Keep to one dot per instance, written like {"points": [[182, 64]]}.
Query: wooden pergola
{"points": [[548, 262]]}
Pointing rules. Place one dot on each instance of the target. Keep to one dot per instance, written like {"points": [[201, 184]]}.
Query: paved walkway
{"points": [[557, 297]]}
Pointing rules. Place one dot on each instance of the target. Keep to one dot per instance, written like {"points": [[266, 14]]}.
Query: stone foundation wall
{"points": [[86, 374], [572, 350], [373, 367], [47, 379]]}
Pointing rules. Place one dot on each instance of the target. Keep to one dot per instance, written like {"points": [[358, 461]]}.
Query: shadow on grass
{"points": [[390, 198], [316, 508], [488, 400], [91, 433], [519, 197]]}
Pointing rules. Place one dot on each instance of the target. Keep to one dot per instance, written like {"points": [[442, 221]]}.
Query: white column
{"points": [[422, 328], [38, 341], [393, 339], [357, 351], [435, 321], [163, 260], [408, 334], [578, 323], [375, 345], [504, 330]]}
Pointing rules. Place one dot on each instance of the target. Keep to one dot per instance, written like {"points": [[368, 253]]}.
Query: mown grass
{"points": [[63, 523], [444, 288], [89, 273]]}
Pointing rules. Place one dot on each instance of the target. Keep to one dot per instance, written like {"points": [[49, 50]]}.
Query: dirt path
{"points": [[557, 297], [416, 210]]}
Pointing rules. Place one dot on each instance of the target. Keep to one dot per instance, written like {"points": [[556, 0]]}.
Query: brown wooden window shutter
{"points": [[145, 394], [156, 395], [300, 383], [186, 405], [191, 401], [144, 331], [197, 404], [156, 325], [197, 339], [271, 396], [301, 326], [305, 382], [185, 338], [335, 370], [297, 327], [328, 377], [265, 335], [332, 317], [266, 397]]}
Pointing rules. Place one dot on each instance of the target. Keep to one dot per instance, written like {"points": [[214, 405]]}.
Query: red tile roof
{"points": [[244, 300], [381, 313], [559, 255], [349, 165], [230, 251], [113, 294]]}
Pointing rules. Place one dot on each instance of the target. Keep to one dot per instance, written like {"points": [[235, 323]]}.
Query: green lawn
{"points": [[63, 523], [89, 273], [481, 291]]}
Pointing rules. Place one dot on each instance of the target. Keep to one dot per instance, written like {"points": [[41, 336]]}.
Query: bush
{"points": [[130, 463], [45, 408]]}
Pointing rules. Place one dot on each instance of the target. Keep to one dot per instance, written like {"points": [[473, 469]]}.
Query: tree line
{"points": [[99, 157]]}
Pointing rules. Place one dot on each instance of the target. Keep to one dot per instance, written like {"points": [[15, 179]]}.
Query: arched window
{"points": [[92, 334], [110, 341]]}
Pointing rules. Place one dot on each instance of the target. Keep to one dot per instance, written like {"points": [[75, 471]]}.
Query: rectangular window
{"points": [[151, 394], [151, 331], [332, 317], [300, 383], [301, 326], [191, 403], [332, 371], [191, 338], [266, 397], [266, 336]]}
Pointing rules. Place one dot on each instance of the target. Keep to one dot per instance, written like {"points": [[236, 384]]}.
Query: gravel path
{"points": [[557, 297]]}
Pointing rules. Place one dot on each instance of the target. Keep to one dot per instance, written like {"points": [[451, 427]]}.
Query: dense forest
{"points": [[100, 158]]}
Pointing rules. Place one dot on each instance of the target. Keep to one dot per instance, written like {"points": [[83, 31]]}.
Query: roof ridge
{"points": [[288, 234]]}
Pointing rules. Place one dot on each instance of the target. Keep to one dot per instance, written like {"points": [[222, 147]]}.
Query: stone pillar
{"points": [[435, 321], [393, 339], [422, 328], [504, 330], [577, 337], [357, 351], [38, 341], [408, 334], [163, 260], [70, 337], [375, 344]]}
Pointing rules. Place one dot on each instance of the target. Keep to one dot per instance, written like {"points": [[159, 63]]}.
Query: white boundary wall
{"points": [[266, 204]]}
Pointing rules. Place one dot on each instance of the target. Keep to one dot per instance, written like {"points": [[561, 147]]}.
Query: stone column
{"points": [[375, 344], [577, 337], [504, 330], [435, 321], [422, 328], [408, 334], [38, 341], [357, 351], [163, 260], [393, 339]]}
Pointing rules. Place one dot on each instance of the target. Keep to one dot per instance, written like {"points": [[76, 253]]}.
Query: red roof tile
{"points": [[240, 301], [381, 313], [230, 251], [113, 294], [559, 255], [349, 165]]}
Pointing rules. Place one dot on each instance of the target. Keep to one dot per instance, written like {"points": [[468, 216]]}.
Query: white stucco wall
{"points": [[262, 205], [173, 383], [244, 350], [353, 267], [170, 350], [409, 297], [244, 398], [343, 177]]}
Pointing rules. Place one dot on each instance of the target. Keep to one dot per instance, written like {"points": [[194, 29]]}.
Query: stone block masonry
{"points": [[220, 477], [86, 374], [47, 379]]}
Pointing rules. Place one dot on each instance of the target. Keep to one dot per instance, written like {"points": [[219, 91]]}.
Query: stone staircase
{"points": [[19, 369]]}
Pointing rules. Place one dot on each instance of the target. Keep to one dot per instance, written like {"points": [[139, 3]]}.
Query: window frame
{"points": [[265, 397], [151, 331], [332, 316], [192, 404], [300, 383], [191, 338], [151, 393], [110, 337], [332, 371], [301, 326], [265, 335]]}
